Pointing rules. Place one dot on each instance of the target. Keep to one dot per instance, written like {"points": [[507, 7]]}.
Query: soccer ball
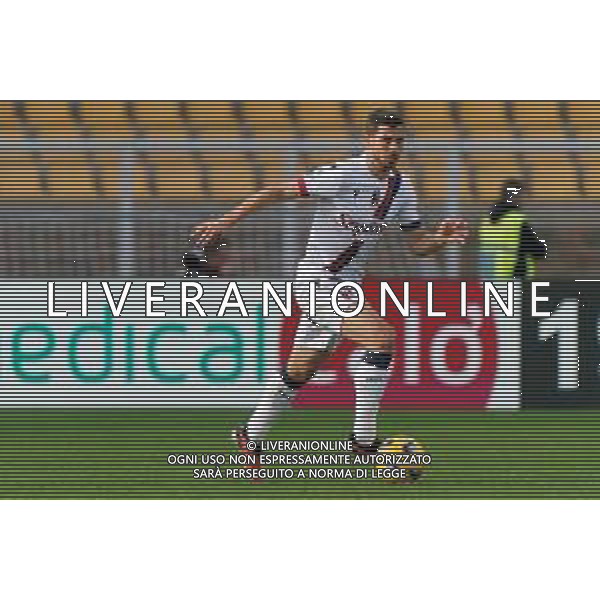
{"points": [[411, 457]]}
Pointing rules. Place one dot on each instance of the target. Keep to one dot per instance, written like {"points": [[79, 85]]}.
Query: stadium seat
{"points": [[184, 174], [589, 162], [50, 119], [69, 175], [431, 178], [230, 176], [484, 119], [268, 119], [321, 119], [490, 170], [430, 119], [553, 177], [19, 176], [177, 174], [274, 167], [213, 119], [106, 119], [584, 117], [9, 123], [108, 167], [538, 119], [158, 119]]}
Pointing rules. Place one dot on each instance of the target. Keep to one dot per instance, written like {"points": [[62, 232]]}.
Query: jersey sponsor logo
{"points": [[373, 226]]}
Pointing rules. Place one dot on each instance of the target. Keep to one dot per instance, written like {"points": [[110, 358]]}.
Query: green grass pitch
{"points": [[121, 453]]}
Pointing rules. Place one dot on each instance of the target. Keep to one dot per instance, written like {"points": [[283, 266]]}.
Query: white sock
{"points": [[369, 385], [276, 397]]}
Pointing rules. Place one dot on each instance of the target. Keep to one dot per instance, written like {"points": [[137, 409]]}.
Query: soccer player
{"points": [[358, 199]]}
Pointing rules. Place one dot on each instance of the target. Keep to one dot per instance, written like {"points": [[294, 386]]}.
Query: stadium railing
{"points": [[142, 230]]}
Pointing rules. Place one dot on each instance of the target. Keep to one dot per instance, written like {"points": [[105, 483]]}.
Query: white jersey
{"points": [[354, 209]]}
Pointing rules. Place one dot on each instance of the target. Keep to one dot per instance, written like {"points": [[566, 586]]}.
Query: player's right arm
{"points": [[323, 182], [210, 230]]}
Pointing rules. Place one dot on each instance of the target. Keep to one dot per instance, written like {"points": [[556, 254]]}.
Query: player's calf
{"points": [[280, 390], [371, 372], [277, 398], [278, 395]]}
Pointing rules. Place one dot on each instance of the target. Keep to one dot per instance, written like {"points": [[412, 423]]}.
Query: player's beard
{"points": [[385, 166], [382, 167]]}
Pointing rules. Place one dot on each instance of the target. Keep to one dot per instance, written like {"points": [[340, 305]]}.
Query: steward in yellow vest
{"points": [[508, 246]]}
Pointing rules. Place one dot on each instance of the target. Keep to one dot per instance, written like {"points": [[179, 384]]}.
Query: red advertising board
{"points": [[441, 362]]}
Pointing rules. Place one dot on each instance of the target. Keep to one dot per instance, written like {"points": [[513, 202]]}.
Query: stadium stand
{"points": [[157, 119], [430, 119], [200, 179], [105, 119], [268, 119], [584, 116], [9, 123], [214, 119], [258, 120], [321, 120], [537, 119], [484, 119], [69, 175], [19, 176], [48, 119]]}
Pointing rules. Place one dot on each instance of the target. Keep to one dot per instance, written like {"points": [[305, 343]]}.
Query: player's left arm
{"points": [[427, 241], [424, 241]]}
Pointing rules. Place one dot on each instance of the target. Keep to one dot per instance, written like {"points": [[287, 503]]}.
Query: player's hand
{"points": [[208, 233], [453, 230]]}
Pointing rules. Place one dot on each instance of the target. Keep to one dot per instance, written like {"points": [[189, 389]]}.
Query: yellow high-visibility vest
{"points": [[499, 247]]}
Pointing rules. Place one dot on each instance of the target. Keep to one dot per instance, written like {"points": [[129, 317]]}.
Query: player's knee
{"points": [[380, 360], [383, 338], [380, 352], [295, 378], [301, 367]]}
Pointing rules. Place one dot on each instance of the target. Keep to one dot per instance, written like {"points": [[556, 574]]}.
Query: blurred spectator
{"points": [[509, 248]]}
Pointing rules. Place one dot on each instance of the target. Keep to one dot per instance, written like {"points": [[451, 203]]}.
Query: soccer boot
{"points": [[242, 440], [359, 448]]}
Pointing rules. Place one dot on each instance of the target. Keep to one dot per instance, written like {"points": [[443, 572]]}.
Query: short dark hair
{"points": [[383, 116], [512, 184]]}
